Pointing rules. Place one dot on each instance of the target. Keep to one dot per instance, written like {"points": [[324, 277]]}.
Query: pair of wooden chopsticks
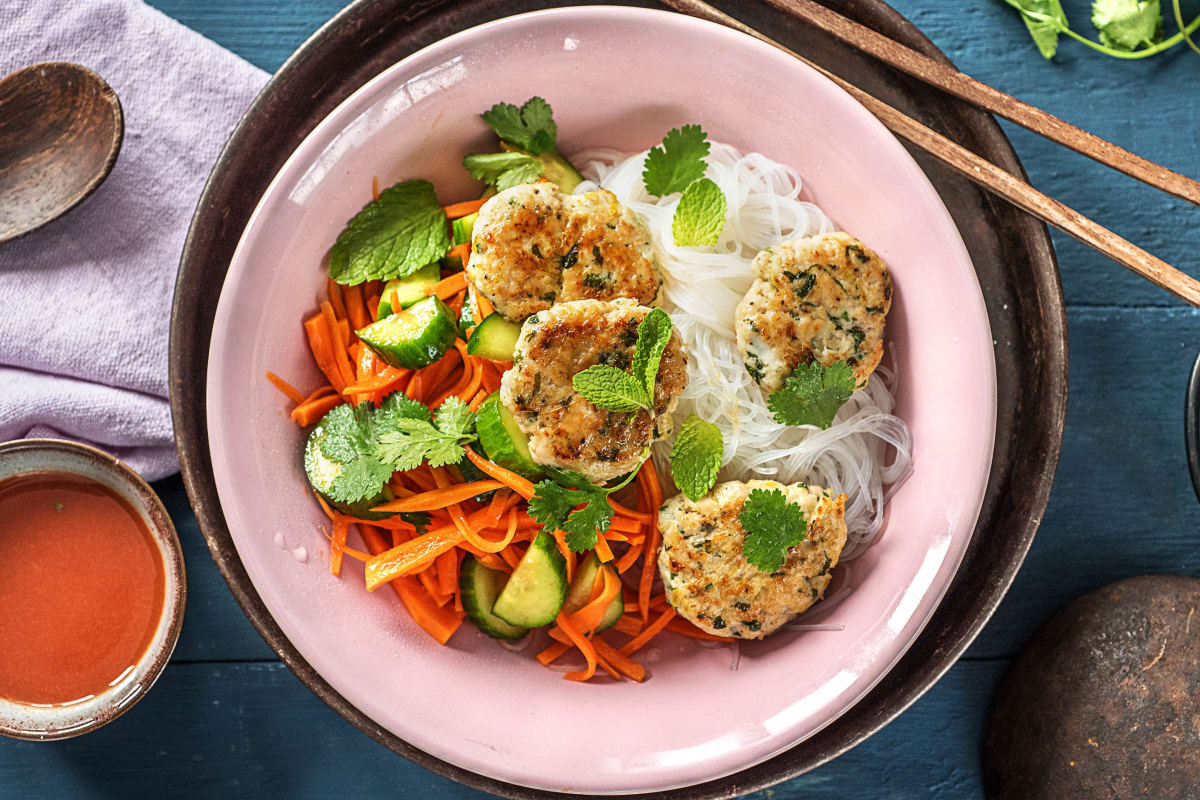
{"points": [[977, 169]]}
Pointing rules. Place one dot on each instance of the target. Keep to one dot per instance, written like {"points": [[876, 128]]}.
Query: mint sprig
{"points": [[696, 457], [392, 237], [612, 389]]}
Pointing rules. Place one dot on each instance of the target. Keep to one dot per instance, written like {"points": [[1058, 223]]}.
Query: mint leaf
{"points": [[654, 332], [611, 389], [1128, 24], [504, 170], [812, 395], [772, 525], [348, 439], [399, 233], [531, 127], [1045, 19], [700, 215], [678, 162], [696, 457]]}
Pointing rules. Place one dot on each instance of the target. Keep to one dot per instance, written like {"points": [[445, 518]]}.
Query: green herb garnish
{"points": [[696, 457], [407, 442], [1127, 29], [613, 389], [504, 170], [812, 394], [530, 127], [392, 237], [680, 160], [700, 215], [574, 505], [772, 525]]}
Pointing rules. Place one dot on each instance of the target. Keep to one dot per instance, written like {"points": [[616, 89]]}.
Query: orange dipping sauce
{"points": [[81, 588]]}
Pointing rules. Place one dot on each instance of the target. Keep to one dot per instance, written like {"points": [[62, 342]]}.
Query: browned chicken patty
{"points": [[818, 299], [565, 430], [533, 246], [710, 582]]}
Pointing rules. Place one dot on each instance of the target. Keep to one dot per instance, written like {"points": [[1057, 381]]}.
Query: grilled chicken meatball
{"points": [[709, 581], [822, 298], [564, 429], [534, 246]]}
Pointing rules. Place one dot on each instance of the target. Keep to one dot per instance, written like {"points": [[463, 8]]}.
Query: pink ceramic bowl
{"points": [[617, 77]]}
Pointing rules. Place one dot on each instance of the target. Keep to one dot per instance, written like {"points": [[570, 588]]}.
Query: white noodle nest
{"points": [[703, 286]]}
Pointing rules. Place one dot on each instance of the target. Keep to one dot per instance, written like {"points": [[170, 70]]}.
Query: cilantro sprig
{"points": [[812, 394], [612, 389], [1127, 29], [392, 237], [504, 170], [772, 525], [696, 457], [574, 505], [410, 441], [530, 127], [678, 166]]}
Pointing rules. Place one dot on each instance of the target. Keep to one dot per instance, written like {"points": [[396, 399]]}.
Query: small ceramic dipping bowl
{"points": [[26, 457]]}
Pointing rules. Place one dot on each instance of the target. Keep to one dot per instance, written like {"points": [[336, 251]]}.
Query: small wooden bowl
{"points": [[40, 723], [1191, 425]]}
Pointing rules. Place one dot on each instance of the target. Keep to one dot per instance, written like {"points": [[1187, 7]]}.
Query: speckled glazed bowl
{"points": [[617, 78], [45, 722]]}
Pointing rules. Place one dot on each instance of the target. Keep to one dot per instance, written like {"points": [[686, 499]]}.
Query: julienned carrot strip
{"points": [[456, 210], [413, 390], [491, 376], [470, 368], [440, 623], [428, 579], [652, 630], [373, 305], [588, 618], [649, 477], [440, 498], [603, 551], [375, 188], [447, 568], [625, 524], [585, 647], [344, 327], [509, 478], [449, 286], [619, 660], [358, 555], [629, 625], [337, 544], [510, 558], [477, 400], [625, 511], [324, 390], [485, 306], [460, 520], [630, 556], [320, 342], [682, 626], [465, 394], [560, 539], [421, 478], [356, 307], [552, 653], [340, 356], [311, 412], [336, 298], [491, 561], [291, 392]]}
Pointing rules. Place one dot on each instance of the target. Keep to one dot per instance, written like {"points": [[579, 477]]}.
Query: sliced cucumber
{"points": [[581, 589], [463, 226], [322, 471], [414, 337], [495, 338], [535, 591], [478, 587], [557, 169], [401, 293], [503, 441]]}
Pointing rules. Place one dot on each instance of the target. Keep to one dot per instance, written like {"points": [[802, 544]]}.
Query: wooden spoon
{"points": [[60, 131]]}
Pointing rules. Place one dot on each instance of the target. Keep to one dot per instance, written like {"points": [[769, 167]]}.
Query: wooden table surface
{"points": [[228, 720]]}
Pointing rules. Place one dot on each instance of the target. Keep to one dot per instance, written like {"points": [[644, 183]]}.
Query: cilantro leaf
{"points": [[609, 388], [586, 523], [530, 127], [399, 233], [772, 525], [696, 457], [1128, 24], [678, 162], [349, 441], [654, 332], [504, 170], [397, 405], [700, 215], [408, 442], [574, 505], [1045, 19], [812, 395]]}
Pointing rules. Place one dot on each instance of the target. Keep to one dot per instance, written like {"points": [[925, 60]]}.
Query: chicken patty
{"points": [[533, 246], [565, 430], [710, 582], [822, 298]]}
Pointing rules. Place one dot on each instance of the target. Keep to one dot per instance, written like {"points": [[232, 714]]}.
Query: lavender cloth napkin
{"points": [[86, 300]]}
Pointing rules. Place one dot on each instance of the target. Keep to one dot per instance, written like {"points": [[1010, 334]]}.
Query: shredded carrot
{"points": [[340, 356], [486, 309], [337, 545], [439, 498], [619, 659], [491, 376], [588, 618], [440, 623], [290, 391], [311, 412], [603, 551], [477, 400], [652, 630], [629, 625], [447, 568], [649, 478], [320, 342], [627, 560], [682, 626], [356, 307], [456, 210], [324, 390], [625, 524], [452, 285], [509, 478], [584, 645], [640, 516], [552, 653], [375, 187], [336, 298]]}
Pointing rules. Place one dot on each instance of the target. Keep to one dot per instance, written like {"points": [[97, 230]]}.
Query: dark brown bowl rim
{"points": [[191, 436], [162, 528]]}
